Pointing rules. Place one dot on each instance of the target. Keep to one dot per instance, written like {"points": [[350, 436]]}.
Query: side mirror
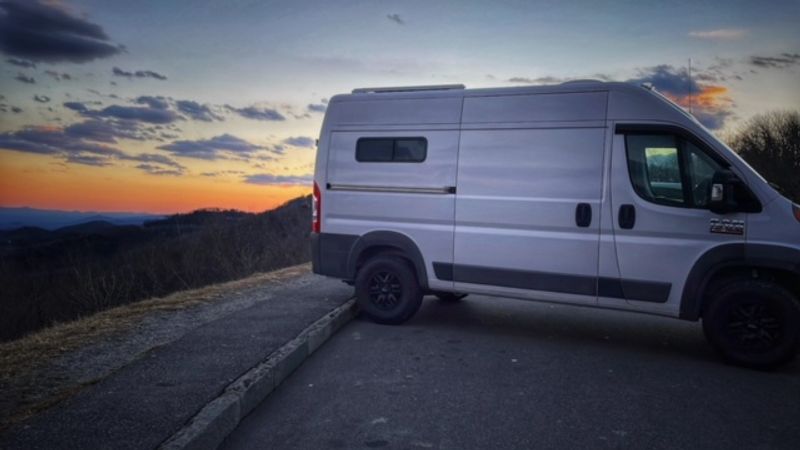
{"points": [[722, 198]]}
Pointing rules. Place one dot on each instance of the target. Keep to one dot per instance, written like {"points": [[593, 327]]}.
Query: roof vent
{"points": [[435, 87]]}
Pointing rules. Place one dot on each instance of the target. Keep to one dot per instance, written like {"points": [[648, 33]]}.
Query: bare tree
{"points": [[771, 144]]}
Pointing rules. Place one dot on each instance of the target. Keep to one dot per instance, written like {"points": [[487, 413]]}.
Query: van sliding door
{"points": [[527, 212]]}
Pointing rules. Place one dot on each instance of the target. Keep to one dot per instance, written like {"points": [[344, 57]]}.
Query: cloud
{"points": [[257, 113], [218, 147], [158, 170], [41, 98], [721, 33], [25, 79], [58, 76], [6, 107], [153, 102], [782, 61], [396, 18], [221, 172], [539, 80], [550, 79], [138, 113], [76, 106], [82, 144], [197, 111], [268, 179], [45, 31], [137, 74], [299, 141], [710, 103], [21, 63], [89, 160], [109, 130], [49, 140], [150, 158], [319, 107]]}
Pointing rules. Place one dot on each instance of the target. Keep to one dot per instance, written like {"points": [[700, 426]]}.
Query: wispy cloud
{"points": [[58, 76], [550, 79], [25, 79], [396, 18], [299, 141], [21, 63], [85, 143], [196, 111], [720, 33], [538, 80], [258, 113], [268, 179], [218, 147], [135, 113], [43, 31], [153, 169], [782, 61], [156, 102], [137, 74]]}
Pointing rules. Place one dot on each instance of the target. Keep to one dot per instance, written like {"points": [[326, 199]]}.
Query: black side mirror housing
{"points": [[722, 197]]}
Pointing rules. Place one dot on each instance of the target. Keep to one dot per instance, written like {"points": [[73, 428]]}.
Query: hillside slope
{"points": [[57, 276]]}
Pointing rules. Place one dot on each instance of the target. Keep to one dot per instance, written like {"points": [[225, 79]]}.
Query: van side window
{"points": [[669, 170], [391, 149]]}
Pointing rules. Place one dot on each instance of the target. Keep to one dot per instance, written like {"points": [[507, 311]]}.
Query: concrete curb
{"points": [[209, 427]]}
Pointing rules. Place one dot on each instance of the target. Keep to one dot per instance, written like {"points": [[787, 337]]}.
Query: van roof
{"points": [[459, 90]]}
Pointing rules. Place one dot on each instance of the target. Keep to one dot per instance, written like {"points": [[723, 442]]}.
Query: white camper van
{"points": [[587, 193]]}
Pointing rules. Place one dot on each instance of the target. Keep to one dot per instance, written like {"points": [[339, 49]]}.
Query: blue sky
{"points": [[240, 81]]}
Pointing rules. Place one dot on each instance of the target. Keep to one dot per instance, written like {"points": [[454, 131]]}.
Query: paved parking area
{"points": [[498, 373]]}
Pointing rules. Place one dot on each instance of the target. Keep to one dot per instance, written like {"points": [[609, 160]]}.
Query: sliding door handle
{"points": [[583, 215]]}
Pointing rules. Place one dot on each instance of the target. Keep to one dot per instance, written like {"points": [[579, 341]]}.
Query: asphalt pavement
{"points": [[497, 373]]}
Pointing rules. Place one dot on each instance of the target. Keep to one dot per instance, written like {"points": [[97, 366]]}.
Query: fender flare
{"points": [[391, 239], [728, 256]]}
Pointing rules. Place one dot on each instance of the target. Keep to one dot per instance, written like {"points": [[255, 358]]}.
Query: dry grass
{"points": [[18, 357]]}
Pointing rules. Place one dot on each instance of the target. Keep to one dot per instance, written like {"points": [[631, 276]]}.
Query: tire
{"points": [[450, 297], [387, 290], [753, 323]]}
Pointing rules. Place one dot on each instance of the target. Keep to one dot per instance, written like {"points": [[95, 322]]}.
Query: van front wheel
{"points": [[387, 290], [753, 323]]}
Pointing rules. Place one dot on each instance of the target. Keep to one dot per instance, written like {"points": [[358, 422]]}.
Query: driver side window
{"points": [[669, 170]]}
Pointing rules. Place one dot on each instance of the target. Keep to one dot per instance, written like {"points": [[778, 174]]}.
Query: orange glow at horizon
{"points": [[54, 186], [710, 97]]}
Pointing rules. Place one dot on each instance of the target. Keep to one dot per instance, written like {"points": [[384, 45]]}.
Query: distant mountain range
{"points": [[51, 219]]}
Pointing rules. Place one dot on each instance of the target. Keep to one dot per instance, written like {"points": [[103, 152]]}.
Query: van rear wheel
{"points": [[387, 290], [753, 324]]}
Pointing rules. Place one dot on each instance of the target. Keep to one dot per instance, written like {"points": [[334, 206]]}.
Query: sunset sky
{"points": [[169, 106]]}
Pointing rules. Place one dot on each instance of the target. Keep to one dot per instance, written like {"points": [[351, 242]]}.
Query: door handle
{"points": [[583, 215], [627, 216]]}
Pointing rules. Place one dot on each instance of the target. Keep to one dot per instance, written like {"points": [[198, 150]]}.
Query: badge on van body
{"points": [[726, 226]]}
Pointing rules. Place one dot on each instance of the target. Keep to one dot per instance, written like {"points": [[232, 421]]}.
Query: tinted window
{"points": [[669, 170], [391, 149]]}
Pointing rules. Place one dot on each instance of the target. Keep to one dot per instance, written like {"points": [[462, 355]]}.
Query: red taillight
{"points": [[796, 210], [316, 214]]}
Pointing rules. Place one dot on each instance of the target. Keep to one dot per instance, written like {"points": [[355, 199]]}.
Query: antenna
{"points": [[690, 86]]}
